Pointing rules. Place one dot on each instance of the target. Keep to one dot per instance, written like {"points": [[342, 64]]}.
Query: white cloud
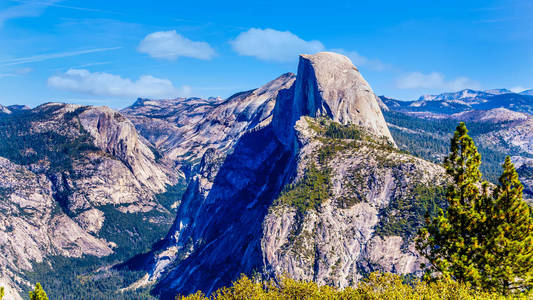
{"points": [[42, 57], [273, 45], [171, 45], [362, 61], [435, 80], [25, 9], [105, 84]]}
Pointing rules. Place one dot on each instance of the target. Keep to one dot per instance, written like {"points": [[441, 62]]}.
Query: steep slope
{"points": [[514, 135], [496, 115], [498, 119], [230, 222], [70, 176]]}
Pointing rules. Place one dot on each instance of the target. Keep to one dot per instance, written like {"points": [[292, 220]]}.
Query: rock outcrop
{"points": [[329, 85], [495, 115]]}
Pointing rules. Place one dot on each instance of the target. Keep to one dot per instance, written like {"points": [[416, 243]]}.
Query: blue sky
{"points": [[110, 52]]}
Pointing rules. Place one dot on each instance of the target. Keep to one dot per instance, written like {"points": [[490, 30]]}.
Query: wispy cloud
{"points": [[362, 61], [92, 64], [171, 45], [497, 20], [42, 57], [17, 72], [273, 45], [3, 75], [105, 84], [25, 9], [56, 3], [434, 80]]}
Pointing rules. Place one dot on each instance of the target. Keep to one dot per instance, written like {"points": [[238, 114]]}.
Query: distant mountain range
{"points": [[499, 120], [449, 103]]}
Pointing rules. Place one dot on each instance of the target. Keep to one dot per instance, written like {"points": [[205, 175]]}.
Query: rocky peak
{"points": [[328, 84], [4, 109], [495, 115]]}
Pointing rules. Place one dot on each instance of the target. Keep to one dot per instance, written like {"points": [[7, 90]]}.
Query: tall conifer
{"points": [[483, 239], [509, 253], [451, 241]]}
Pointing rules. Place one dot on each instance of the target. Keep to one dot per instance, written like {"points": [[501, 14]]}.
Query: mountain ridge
{"points": [[302, 175]]}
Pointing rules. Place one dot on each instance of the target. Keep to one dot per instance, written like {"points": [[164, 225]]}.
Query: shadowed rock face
{"points": [[328, 84], [216, 237]]}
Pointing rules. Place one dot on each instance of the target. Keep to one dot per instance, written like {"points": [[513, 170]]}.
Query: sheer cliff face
{"points": [[233, 218], [329, 85]]}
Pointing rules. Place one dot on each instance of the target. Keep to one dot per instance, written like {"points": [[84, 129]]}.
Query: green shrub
{"points": [[375, 286], [405, 216], [309, 192]]}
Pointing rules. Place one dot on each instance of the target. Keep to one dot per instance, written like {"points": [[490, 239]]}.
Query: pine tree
{"points": [[509, 256], [451, 242], [482, 239], [38, 293]]}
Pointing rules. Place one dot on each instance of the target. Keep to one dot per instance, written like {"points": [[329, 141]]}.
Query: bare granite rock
{"points": [[328, 84]]}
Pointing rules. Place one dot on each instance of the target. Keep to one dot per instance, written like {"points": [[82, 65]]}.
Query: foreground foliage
{"points": [[38, 293], [376, 286], [482, 238]]}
